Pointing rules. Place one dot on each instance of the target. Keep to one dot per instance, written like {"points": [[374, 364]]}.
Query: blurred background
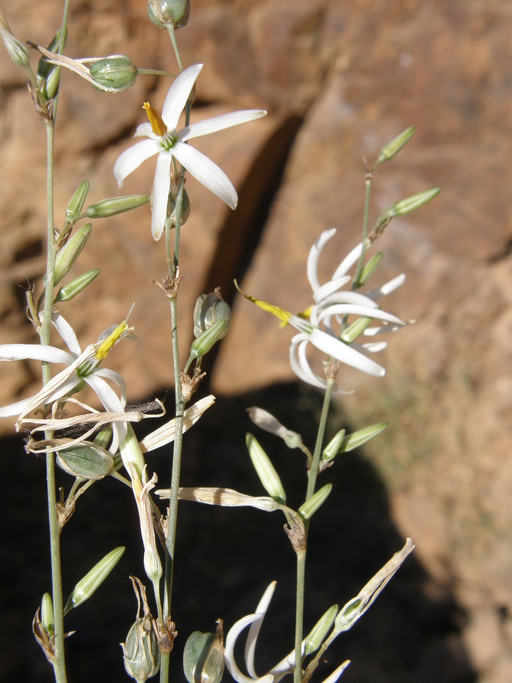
{"points": [[339, 80]]}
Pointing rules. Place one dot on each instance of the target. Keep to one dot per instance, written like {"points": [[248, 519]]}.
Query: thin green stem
{"points": [[172, 35], [301, 554], [360, 263], [58, 662]]}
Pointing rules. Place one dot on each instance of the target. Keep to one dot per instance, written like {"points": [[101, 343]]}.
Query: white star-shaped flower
{"points": [[82, 366], [169, 143]]}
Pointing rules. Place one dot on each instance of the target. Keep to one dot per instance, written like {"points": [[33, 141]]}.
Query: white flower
{"points": [[169, 143], [82, 366], [328, 317]]}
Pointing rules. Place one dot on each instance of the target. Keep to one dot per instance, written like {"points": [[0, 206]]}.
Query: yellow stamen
{"points": [[113, 338], [157, 124], [283, 315]]}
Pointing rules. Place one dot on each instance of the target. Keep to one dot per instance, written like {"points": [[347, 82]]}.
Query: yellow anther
{"points": [[157, 124], [113, 338]]}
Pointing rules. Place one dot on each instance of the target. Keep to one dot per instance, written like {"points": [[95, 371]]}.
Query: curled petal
{"points": [[254, 630], [229, 652], [344, 353], [348, 261], [314, 255]]}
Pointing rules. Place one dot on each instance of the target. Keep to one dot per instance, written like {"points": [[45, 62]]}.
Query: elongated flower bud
{"points": [[308, 509], [47, 616], [265, 470], [77, 201], [93, 579], [392, 148], [208, 338], [334, 445], [116, 205], [77, 285], [320, 630], [69, 253]]}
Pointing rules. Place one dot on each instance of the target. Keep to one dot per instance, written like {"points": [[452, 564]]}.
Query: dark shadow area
{"points": [[227, 557]]}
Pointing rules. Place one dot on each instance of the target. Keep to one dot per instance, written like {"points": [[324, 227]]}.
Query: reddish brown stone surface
{"points": [[346, 77]]}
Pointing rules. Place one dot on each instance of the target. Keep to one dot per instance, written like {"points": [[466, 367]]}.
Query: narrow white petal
{"points": [[161, 187], [330, 287], [351, 309], [344, 353], [388, 287], [14, 408], [373, 347], [115, 377], [229, 652], [67, 333], [133, 157], [348, 298], [337, 672], [299, 362], [348, 261], [314, 255], [216, 123], [145, 130], [178, 94], [112, 403], [207, 173], [49, 354], [252, 636]]}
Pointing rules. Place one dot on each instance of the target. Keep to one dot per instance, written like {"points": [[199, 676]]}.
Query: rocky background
{"points": [[339, 80]]}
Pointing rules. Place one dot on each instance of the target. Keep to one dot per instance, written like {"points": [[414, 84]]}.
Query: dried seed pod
{"points": [[203, 657]]}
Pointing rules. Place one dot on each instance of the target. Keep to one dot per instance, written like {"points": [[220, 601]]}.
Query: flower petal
{"points": [[145, 130], [161, 187], [252, 636], [67, 333], [348, 261], [229, 652], [299, 362], [178, 94], [314, 255], [344, 353], [14, 408], [48, 354], [133, 157], [207, 173], [216, 123]]}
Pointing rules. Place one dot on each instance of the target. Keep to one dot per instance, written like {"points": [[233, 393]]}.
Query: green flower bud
{"points": [[265, 470], [93, 579], [396, 144], [67, 256], [369, 268], [203, 657], [165, 13], [86, 461], [115, 73], [18, 51], [77, 201], [116, 205], [52, 83], [208, 338], [47, 617], [103, 438], [320, 630], [44, 67], [209, 309], [77, 285], [357, 328], [334, 445], [407, 205], [308, 509], [362, 436]]}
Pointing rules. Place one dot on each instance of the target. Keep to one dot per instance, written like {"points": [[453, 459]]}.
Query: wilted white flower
{"points": [[169, 143], [82, 366], [254, 623]]}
